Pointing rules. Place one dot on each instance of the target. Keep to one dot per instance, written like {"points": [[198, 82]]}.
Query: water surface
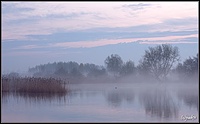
{"points": [[106, 102]]}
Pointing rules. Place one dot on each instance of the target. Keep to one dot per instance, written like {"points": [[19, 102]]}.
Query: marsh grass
{"points": [[33, 85]]}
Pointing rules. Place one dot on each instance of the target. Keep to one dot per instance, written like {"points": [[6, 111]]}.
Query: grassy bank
{"points": [[32, 85]]}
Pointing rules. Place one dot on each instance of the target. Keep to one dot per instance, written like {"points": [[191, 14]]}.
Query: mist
{"points": [[158, 89]]}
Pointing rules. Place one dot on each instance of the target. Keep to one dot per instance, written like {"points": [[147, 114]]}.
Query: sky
{"points": [[36, 33]]}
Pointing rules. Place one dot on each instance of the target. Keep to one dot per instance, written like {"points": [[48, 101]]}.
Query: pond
{"points": [[106, 102]]}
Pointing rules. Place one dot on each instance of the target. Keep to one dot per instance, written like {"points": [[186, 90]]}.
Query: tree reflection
{"points": [[190, 98], [5, 97], [159, 104], [115, 98]]}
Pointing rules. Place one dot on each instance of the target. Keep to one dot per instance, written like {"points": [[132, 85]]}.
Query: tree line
{"points": [[157, 63]]}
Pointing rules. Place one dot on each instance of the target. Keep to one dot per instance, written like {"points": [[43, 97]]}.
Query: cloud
{"points": [[28, 47], [141, 31], [182, 21], [9, 8], [103, 42], [167, 42], [138, 6], [186, 38], [20, 19], [89, 44]]}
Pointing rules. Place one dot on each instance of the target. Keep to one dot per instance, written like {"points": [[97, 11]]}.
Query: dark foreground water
{"points": [[108, 102]]}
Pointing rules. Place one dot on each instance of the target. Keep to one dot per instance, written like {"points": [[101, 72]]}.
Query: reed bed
{"points": [[33, 85]]}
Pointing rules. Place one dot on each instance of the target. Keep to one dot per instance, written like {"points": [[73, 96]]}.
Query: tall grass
{"points": [[32, 85]]}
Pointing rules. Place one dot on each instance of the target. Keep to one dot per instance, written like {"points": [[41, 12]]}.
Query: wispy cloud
{"points": [[156, 40], [28, 47], [20, 19], [89, 44], [167, 42], [103, 42], [136, 6], [49, 31]]}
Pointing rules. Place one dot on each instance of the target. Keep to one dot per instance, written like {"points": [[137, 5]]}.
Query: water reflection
{"points": [[35, 97], [5, 97], [124, 103], [115, 98], [190, 98], [158, 103]]}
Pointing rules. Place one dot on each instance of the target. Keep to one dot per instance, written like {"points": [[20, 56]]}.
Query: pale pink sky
{"points": [[90, 15], [42, 32]]}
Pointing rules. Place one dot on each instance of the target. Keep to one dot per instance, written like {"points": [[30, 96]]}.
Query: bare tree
{"points": [[159, 60]]}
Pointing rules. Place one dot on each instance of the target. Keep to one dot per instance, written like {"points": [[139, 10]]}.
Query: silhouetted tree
{"points": [[114, 64], [96, 72], [189, 68], [13, 74], [81, 67], [61, 72], [75, 73], [128, 68], [159, 60]]}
